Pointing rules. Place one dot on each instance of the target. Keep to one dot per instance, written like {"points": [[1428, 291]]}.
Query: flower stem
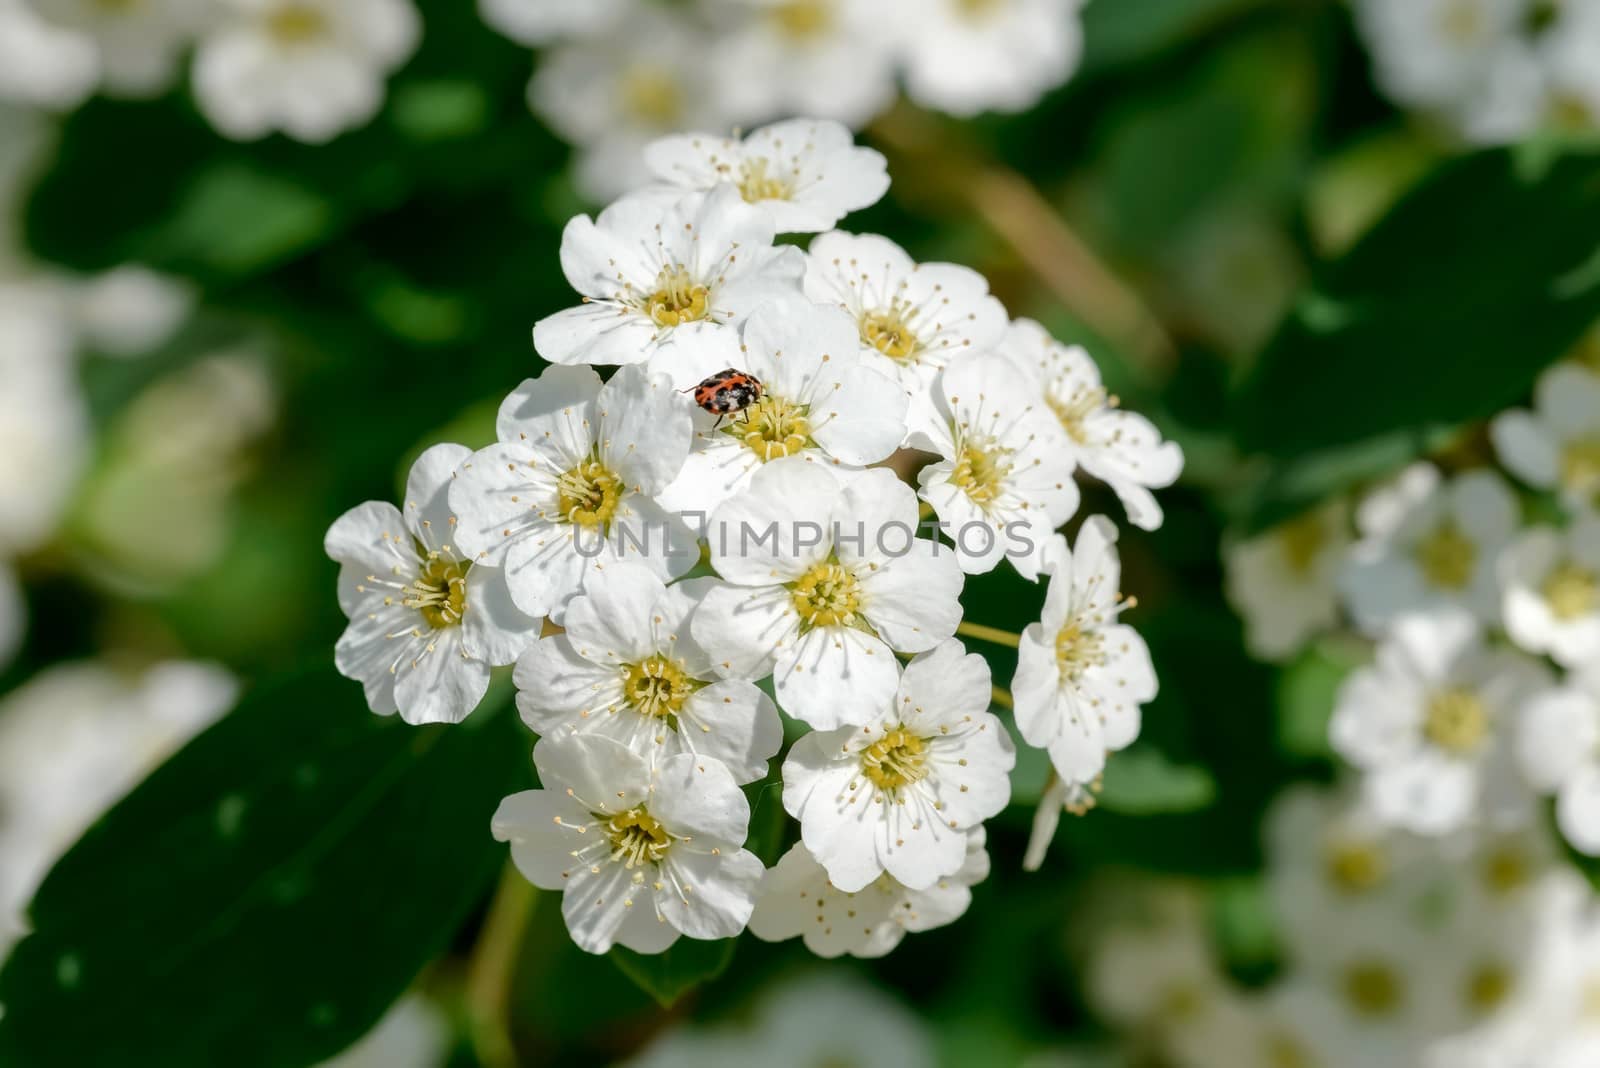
{"points": [[1016, 211], [1001, 696], [493, 967], [993, 635]]}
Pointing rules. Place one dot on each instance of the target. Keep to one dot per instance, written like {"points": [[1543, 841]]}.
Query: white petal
{"points": [[834, 676], [645, 427], [603, 775], [696, 796], [541, 846], [720, 892], [494, 629]]}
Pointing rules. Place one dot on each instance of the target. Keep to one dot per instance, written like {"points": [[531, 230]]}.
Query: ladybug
{"points": [[727, 392]]}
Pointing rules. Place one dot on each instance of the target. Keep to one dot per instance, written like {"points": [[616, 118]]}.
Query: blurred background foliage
{"points": [[1328, 289]]}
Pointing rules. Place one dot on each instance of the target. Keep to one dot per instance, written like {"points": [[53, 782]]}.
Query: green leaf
{"points": [[1444, 312], [1116, 33], [236, 220], [685, 964], [297, 864], [1142, 782]]}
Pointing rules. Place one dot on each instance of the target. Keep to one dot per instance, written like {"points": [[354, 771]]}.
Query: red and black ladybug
{"points": [[726, 392]]}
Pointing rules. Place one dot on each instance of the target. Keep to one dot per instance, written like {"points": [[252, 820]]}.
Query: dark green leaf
{"points": [[298, 863], [686, 964], [1444, 312]]}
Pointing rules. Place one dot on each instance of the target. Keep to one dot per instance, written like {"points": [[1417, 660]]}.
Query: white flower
{"points": [[41, 63], [654, 277], [641, 854], [413, 1034], [627, 669], [1427, 543], [796, 899], [826, 1018], [1122, 449], [900, 794], [615, 92], [1060, 795], [1330, 854], [807, 174], [1081, 675], [1439, 54], [1003, 483], [1552, 592], [829, 58], [1429, 723], [818, 402], [825, 582], [310, 68], [913, 318], [139, 44], [967, 56], [1153, 966], [537, 22], [426, 622], [1284, 581], [1557, 445], [571, 485], [130, 310], [1559, 746], [73, 740], [44, 422]]}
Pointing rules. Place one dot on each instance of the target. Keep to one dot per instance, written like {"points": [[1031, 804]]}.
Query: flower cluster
{"points": [[311, 69], [616, 74], [1493, 71], [1397, 952], [714, 533], [1484, 693], [621, 73]]}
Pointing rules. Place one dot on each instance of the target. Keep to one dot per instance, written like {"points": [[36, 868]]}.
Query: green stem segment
{"points": [[993, 635]]}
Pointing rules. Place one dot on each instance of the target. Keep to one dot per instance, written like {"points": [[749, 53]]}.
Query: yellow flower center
{"points": [[1078, 650], [658, 687], [1580, 466], [1447, 557], [297, 23], [652, 96], [587, 495], [1507, 870], [889, 332], [973, 9], [1285, 1051], [1301, 540], [1462, 21], [1456, 722], [677, 299], [1373, 989], [897, 759], [1569, 112], [1075, 410], [756, 184], [828, 595], [772, 428], [439, 591], [1180, 1001], [803, 18], [1487, 988], [636, 837], [1356, 867], [981, 470], [1572, 590]]}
